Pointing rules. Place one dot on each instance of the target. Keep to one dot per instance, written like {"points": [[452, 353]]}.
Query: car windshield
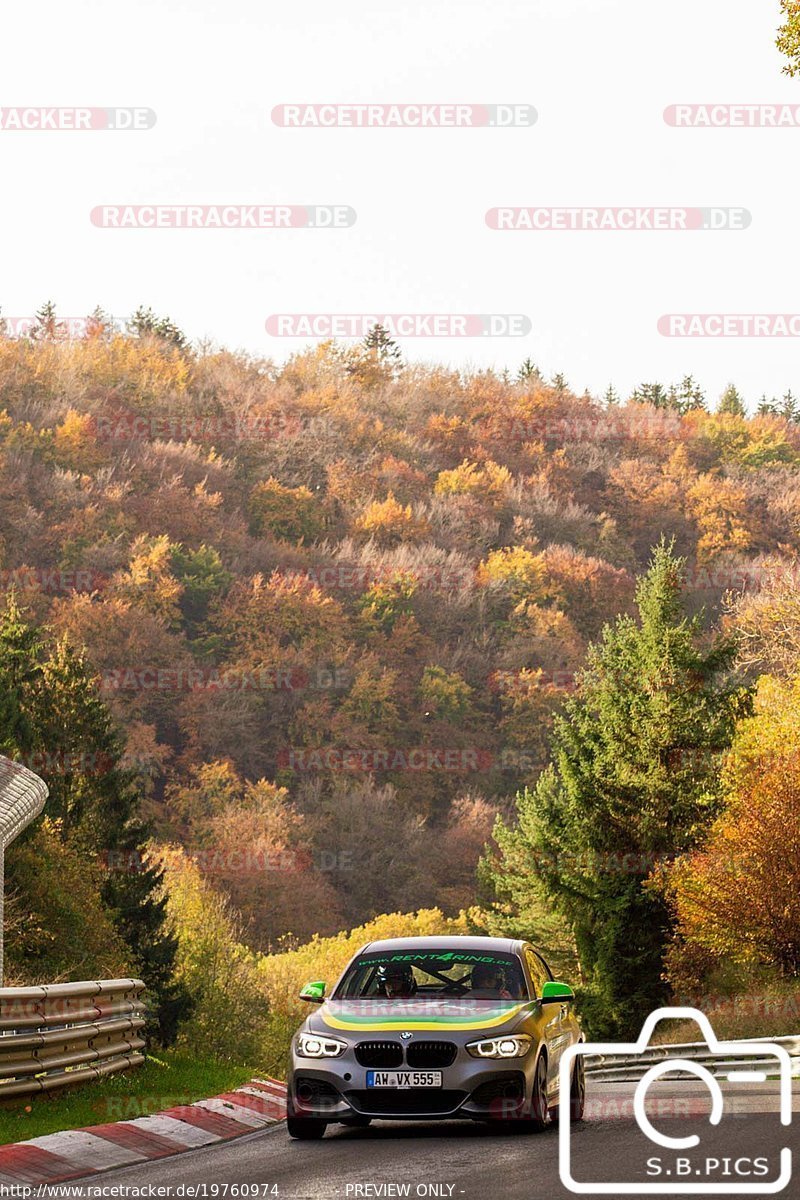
{"points": [[434, 974]]}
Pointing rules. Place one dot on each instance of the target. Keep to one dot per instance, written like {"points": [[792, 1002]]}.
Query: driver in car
{"points": [[488, 983], [397, 981]]}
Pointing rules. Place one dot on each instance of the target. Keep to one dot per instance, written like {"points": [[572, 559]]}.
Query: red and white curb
{"points": [[76, 1153]]}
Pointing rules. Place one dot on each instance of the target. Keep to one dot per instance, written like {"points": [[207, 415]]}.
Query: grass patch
{"points": [[170, 1078], [770, 1009]]}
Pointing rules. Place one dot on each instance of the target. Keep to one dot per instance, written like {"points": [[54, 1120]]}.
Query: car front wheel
{"points": [[577, 1091], [536, 1119], [577, 1095], [305, 1129]]}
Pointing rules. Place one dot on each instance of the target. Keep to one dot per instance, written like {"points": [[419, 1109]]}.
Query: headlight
{"points": [[309, 1045], [501, 1047]]}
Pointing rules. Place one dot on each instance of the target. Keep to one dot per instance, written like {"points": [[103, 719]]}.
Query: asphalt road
{"points": [[459, 1159]]}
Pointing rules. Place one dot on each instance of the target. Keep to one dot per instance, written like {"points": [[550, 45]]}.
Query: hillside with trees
{"points": [[305, 635]]}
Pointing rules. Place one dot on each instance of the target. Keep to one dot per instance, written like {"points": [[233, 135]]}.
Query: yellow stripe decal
{"points": [[489, 1021]]}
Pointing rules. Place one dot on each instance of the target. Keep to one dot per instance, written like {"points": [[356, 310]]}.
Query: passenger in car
{"points": [[488, 983]]}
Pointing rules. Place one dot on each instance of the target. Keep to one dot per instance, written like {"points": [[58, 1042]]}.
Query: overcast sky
{"points": [[599, 73]]}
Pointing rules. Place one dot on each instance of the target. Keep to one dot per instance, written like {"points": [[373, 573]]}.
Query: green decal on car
{"points": [[479, 1017], [448, 957]]}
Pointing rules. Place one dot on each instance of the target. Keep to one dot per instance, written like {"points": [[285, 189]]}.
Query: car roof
{"points": [[447, 942]]}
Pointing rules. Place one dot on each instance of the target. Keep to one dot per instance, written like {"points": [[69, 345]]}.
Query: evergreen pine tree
{"points": [[46, 326], [634, 779], [789, 407], [53, 717], [144, 323], [650, 393], [100, 324], [528, 372], [690, 395], [19, 654], [731, 402], [383, 346]]}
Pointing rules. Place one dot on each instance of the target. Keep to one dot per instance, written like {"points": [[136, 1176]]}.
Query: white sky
{"points": [[599, 72]]}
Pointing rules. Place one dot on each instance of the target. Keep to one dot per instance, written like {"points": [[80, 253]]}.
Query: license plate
{"points": [[404, 1079]]}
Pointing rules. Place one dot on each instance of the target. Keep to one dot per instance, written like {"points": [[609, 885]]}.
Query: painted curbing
{"points": [[76, 1153]]}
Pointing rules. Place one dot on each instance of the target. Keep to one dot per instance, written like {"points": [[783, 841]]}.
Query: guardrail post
{"points": [[22, 798]]}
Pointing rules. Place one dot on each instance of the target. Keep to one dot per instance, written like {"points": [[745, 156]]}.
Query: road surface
{"points": [[470, 1161]]}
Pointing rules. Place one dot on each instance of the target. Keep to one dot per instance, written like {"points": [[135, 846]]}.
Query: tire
{"points": [[536, 1121], [305, 1129], [577, 1091], [577, 1095]]}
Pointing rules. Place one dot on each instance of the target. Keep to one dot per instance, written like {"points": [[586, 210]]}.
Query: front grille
{"points": [[406, 1101], [431, 1054], [379, 1054], [509, 1086]]}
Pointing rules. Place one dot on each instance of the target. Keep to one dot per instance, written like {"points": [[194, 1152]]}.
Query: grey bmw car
{"points": [[428, 1028]]}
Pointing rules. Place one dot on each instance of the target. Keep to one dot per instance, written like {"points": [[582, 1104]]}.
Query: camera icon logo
{"points": [[689, 1165]]}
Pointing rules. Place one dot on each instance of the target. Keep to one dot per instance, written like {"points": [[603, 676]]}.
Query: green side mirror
{"points": [[314, 992], [556, 993]]}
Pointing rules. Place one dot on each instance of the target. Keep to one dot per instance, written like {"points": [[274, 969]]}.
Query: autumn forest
{"points": [[333, 630]]}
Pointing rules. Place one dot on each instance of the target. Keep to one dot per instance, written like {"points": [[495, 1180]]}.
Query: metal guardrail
{"points": [[620, 1068], [22, 797], [58, 1035]]}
